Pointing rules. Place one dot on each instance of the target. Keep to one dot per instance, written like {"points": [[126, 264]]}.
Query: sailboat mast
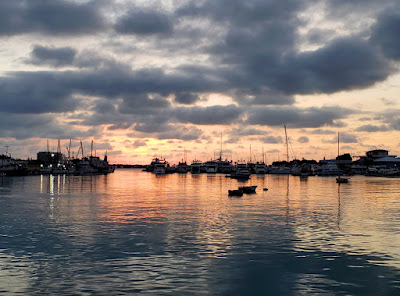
{"points": [[91, 149], [250, 153], [220, 153], [263, 155], [338, 144], [287, 145], [69, 149], [82, 149]]}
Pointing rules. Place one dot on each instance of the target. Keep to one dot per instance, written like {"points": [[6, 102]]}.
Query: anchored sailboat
{"points": [[340, 179]]}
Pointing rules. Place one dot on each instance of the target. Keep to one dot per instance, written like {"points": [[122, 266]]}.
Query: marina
{"points": [[223, 148]]}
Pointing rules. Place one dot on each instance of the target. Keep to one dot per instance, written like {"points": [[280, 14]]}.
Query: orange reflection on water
{"points": [[318, 213]]}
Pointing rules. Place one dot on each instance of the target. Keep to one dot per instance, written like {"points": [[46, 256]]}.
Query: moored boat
{"points": [[182, 167], [248, 189], [241, 172], [235, 192], [195, 167]]}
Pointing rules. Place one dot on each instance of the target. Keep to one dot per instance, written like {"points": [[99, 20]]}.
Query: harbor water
{"points": [[133, 232]]}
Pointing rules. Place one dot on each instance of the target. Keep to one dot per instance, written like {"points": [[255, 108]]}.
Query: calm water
{"points": [[132, 232]]}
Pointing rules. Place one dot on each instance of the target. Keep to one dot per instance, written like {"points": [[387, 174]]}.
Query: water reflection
{"points": [[134, 232], [62, 184]]}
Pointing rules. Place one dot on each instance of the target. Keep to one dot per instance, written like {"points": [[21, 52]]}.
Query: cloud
{"points": [[102, 146], [57, 57], [143, 103], [387, 102], [144, 23], [152, 124], [26, 92], [372, 128], [296, 117], [260, 51], [271, 140], [303, 140], [321, 132], [344, 138], [273, 151], [208, 115], [180, 133], [186, 98], [26, 126], [246, 131], [344, 64], [139, 143], [50, 17], [47, 91], [385, 33]]}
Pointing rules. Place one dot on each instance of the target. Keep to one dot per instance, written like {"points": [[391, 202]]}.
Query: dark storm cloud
{"points": [[114, 82], [57, 57], [144, 23], [262, 96], [295, 117], [45, 91], [27, 92], [386, 33], [242, 13], [208, 115], [340, 9], [143, 103], [25, 126], [259, 49], [50, 17], [68, 56], [344, 64], [186, 98]]}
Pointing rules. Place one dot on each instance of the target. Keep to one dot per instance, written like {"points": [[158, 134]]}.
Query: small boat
{"points": [[195, 167], [211, 167], [241, 172], [236, 192], [182, 168], [248, 189], [342, 180]]}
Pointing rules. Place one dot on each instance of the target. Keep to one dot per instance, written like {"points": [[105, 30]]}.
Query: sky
{"points": [[146, 79]]}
